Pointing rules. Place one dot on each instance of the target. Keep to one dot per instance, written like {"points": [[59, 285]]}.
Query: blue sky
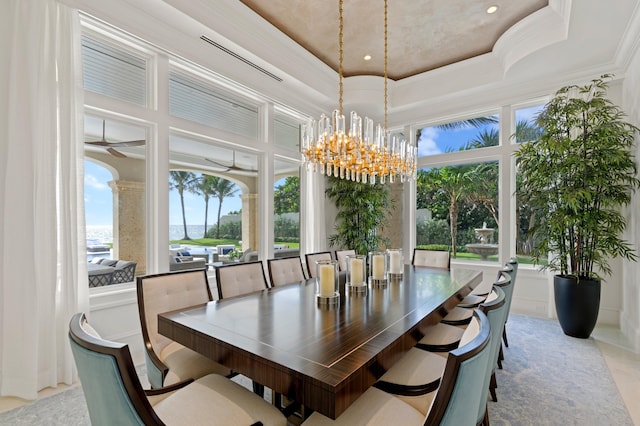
{"points": [[434, 141]]}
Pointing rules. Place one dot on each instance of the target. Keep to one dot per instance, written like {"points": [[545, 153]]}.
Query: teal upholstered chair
{"points": [[506, 271], [513, 263], [115, 396], [495, 310], [454, 403], [168, 361]]}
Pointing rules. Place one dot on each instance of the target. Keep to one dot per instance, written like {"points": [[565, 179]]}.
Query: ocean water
{"points": [[176, 232]]}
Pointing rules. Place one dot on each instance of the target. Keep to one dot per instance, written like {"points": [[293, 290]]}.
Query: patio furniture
{"points": [[103, 272]]}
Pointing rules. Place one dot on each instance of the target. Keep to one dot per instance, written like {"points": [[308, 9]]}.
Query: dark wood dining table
{"points": [[323, 357]]}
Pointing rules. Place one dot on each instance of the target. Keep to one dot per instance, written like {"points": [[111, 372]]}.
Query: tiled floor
{"points": [[623, 364]]}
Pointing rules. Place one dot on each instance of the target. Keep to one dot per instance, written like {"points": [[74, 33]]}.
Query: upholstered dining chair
{"points": [[505, 274], [285, 270], [236, 279], [168, 361], [415, 378], [461, 387], [495, 308], [312, 258], [115, 396], [431, 258], [441, 338], [341, 257], [513, 263]]}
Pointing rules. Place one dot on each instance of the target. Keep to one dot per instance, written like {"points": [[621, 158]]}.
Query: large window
{"points": [[473, 133], [286, 205], [526, 131], [458, 202], [457, 210], [115, 209], [212, 200]]}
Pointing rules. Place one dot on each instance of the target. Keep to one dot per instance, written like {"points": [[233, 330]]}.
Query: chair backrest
{"points": [[341, 257], [495, 308], [507, 271], [311, 258], [513, 262], [166, 292], [236, 279], [285, 270], [431, 258], [110, 384], [461, 387]]}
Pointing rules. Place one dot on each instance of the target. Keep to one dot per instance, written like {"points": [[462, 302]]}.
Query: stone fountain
{"points": [[484, 248]]}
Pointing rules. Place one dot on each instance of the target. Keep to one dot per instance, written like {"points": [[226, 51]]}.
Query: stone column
{"points": [[129, 212], [249, 221]]}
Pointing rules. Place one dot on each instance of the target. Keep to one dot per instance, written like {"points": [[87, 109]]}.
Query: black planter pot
{"points": [[577, 304]]}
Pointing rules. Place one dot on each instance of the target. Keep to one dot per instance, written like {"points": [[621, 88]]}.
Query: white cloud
{"points": [[92, 182], [427, 142]]}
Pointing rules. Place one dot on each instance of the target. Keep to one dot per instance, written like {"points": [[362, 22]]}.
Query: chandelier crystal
{"points": [[363, 152]]}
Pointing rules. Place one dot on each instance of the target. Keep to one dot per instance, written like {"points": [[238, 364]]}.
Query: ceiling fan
{"points": [[233, 166], [110, 145]]}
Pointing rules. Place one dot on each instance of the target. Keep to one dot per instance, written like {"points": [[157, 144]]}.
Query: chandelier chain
{"points": [[340, 52], [361, 151], [385, 63]]}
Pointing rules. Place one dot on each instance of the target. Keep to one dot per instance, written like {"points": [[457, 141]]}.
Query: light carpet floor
{"points": [[548, 379]]}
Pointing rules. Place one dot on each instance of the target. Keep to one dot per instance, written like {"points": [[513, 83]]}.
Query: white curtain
{"points": [[43, 279]]}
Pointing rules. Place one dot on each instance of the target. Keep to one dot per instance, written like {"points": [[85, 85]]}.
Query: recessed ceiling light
{"points": [[367, 57], [492, 9]]}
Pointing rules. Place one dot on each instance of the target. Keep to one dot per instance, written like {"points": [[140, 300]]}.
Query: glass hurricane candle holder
{"points": [[356, 273], [378, 268], [396, 264], [327, 281]]}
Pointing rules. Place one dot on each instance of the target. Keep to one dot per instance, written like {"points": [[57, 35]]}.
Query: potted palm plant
{"points": [[575, 178]]}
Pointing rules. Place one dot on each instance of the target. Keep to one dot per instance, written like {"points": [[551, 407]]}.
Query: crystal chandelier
{"points": [[362, 152]]}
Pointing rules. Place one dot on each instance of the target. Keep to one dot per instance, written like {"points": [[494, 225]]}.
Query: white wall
{"points": [[630, 314]]}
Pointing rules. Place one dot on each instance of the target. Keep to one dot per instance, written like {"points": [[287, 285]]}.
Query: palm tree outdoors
{"points": [[222, 189], [206, 186], [182, 181]]}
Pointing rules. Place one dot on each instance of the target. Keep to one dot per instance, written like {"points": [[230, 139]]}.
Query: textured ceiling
{"points": [[422, 34]]}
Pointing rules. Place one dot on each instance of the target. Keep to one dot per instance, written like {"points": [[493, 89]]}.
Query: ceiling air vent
{"points": [[235, 55]]}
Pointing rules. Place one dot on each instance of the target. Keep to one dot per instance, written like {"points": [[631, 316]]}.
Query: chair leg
{"points": [[504, 336], [493, 384], [485, 421], [258, 389], [500, 357]]}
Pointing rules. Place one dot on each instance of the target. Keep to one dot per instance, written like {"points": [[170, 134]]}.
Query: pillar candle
{"points": [[327, 280], [394, 262], [357, 277], [378, 267]]}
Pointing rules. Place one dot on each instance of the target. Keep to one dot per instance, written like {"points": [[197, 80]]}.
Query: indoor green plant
{"points": [[575, 177], [363, 209]]}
